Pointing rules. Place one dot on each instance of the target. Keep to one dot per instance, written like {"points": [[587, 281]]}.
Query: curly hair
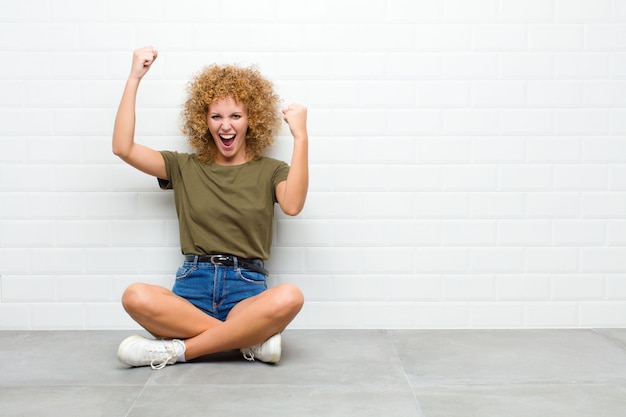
{"points": [[246, 86]]}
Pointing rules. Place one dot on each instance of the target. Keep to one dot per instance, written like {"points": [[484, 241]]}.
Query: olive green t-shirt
{"points": [[224, 209]]}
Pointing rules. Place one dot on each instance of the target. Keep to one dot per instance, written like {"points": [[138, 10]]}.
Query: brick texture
{"points": [[467, 157]]}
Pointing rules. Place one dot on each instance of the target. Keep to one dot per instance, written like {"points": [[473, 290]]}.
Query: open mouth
{"points": [[227, 140]]}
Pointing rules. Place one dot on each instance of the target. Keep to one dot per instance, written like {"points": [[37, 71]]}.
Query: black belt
{"points": [[255, 265]]}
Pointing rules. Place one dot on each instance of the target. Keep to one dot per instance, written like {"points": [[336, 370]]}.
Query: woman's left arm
{"points": [[291, 194]]}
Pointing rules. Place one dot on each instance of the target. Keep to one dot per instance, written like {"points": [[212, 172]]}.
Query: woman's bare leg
{"points": [[252, 321], [163, 313]]}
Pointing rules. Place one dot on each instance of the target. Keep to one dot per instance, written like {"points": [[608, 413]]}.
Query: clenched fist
{"points": [[143, 59], [295, 116]]}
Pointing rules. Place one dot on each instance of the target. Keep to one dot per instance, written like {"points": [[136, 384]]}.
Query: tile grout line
{"points": [[609, 339], [145, 385], [406, 376]]}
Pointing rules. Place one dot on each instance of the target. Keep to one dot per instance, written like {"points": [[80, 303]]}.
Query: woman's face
{"points": [[228, 125]]}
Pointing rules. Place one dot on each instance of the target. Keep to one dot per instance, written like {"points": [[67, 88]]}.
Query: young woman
{"points": [[225, 193]]}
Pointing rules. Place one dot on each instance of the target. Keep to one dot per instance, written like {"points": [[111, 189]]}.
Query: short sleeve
{"points": [[171, 160], [280, 174], [165, 184]]}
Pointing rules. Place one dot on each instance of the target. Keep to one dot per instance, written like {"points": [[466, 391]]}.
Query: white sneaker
{"points": [[139, 351], [268, 351]]}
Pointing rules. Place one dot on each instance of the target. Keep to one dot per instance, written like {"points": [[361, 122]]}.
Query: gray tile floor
{"points": [[404, 373]]}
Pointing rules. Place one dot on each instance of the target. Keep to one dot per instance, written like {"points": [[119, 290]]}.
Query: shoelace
{"points": [[162, 361], [248, 354]]}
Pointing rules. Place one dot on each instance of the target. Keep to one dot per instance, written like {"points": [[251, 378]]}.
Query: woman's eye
{"points": [[236, 116], [215, 117]]}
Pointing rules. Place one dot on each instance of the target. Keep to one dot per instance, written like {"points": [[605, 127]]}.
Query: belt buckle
{"points": [[218, 259], [213, 259]]}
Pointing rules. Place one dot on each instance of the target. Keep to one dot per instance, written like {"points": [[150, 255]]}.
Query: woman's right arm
{"points": [[141, 157]]}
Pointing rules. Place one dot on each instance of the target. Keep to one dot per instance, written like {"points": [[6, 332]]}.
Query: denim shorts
{"points": [[215, 288]]}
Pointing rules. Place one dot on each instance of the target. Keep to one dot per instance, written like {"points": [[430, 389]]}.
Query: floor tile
{"points": [[616, 335], [276, 401], [49, 358], [484, 357], [523, 401], [67, 401], [405, 373], [310, 357]]}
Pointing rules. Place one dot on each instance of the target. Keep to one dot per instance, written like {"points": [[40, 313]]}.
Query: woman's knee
{"points": [[136, 298], [291, 298]]}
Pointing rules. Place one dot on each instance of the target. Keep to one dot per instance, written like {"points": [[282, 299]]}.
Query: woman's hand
{"points": [[143, 59], [295, 116]]}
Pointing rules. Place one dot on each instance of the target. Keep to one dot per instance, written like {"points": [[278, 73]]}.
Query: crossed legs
{"points": [[250, 322]]}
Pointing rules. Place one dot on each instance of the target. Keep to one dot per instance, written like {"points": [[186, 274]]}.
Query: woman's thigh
{"points": [[165, 314], [283, 302]]}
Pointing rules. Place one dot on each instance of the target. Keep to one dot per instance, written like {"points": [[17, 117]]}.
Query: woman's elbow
{"points": [[292, 209], [120, 150], [117, 149]]}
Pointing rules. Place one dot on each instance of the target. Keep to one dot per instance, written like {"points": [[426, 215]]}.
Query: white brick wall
{"points": [[468, 157]]}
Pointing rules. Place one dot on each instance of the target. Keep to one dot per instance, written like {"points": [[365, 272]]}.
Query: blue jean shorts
{"points": [[215, 288]]}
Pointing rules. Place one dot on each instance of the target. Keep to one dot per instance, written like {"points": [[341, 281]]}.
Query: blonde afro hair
{"points": [[246, 86]]}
